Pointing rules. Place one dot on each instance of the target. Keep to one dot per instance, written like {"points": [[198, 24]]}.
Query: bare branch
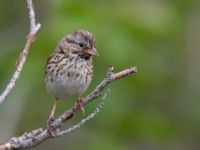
{"points": [[22, 57], [33, 26], [35, 137], [110, 76], [83, 121]]}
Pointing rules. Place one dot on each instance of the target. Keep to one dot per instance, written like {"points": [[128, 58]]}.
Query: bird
{"points": [[69, 69]]}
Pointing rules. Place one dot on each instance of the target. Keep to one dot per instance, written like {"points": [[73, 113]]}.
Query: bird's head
{"points": [[81, 43]]}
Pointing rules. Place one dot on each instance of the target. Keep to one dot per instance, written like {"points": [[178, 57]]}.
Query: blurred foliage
{"points": [[156, 109]]}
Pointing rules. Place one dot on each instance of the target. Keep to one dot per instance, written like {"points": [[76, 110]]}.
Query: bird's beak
{"points": [[92, 51]]}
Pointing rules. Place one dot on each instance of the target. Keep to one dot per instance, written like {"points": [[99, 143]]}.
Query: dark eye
{"points": [[81, 44]]}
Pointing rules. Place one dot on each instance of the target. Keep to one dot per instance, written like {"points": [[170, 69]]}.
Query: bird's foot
{"points": [[51, 130], [79, 104]]}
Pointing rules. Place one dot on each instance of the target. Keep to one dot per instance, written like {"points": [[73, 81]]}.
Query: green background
{"points": [[156, 109]]}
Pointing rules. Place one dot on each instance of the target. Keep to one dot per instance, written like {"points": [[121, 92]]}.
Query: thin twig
{"points": [[35, 137], [110, 76], [23, 55], [28, 140], [83, 121]]}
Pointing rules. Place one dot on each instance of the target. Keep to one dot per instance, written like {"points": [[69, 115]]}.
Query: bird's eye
{"points": [[81, 44]]}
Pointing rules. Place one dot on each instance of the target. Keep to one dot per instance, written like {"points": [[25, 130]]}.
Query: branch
{"points": [[22, 57], [83, 121], [35, 137]]}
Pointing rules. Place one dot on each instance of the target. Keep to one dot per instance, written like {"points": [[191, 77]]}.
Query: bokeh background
{"points": [[156, 109]]}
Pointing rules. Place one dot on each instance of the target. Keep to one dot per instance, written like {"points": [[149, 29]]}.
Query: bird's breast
{"points": [[70, 80]]}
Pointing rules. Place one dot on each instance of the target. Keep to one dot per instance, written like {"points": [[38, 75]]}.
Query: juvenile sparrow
{"points": [[69, 69]]}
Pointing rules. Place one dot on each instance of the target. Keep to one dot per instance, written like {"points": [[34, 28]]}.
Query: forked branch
{"points": [[35, 137], [23, 55]]}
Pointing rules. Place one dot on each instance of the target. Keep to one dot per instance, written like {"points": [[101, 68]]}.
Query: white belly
{"points": [[63, 84], [64, 87]]}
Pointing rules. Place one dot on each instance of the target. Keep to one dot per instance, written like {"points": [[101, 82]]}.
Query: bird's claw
{"points": [[51, 130], [80, 103]]}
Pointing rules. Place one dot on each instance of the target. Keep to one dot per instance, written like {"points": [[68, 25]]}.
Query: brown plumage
{"points": [[69, 68]]}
